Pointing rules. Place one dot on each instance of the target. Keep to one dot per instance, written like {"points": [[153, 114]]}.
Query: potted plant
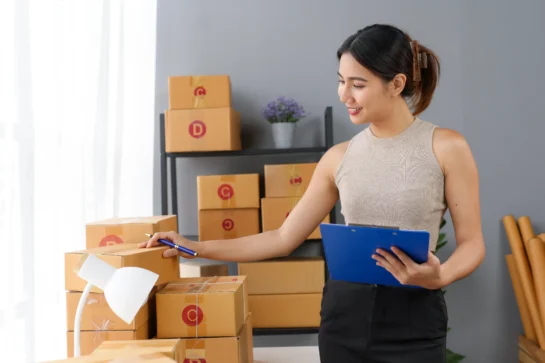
{"points": [[441, 242], [283, 113]]}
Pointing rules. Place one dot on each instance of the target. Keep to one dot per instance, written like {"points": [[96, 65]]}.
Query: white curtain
{"points": [[77, 90]]}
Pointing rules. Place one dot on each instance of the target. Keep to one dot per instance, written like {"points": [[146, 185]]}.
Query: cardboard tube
{"points": [[528, 326], [536, 255], [526, 230], [541, 236], [523, 267]]}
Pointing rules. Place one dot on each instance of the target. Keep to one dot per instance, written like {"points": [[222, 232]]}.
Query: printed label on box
{"points": [[197, 129], [192, 315]]}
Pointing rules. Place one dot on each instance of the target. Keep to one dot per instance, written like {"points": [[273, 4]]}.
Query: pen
{"points": [[174, 245]]}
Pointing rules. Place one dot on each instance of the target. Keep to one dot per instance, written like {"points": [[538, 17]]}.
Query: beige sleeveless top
{"points": [[395, 181]]}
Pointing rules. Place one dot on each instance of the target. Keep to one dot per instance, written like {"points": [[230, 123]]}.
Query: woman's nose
{"points": [[344, 94]]}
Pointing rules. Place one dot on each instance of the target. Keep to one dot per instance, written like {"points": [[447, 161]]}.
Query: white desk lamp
{"points": [[126, 289]]}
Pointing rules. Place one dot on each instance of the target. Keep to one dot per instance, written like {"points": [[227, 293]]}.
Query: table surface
{"points": [[304, 354]]}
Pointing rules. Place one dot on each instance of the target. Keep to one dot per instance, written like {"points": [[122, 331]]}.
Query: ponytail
{"points": [[426, 72]]}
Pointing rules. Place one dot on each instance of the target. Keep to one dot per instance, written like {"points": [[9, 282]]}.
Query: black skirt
{"points": [[379, 324]]}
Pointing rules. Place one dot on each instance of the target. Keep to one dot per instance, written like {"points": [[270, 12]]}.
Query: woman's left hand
{"points": [[408, 272]]}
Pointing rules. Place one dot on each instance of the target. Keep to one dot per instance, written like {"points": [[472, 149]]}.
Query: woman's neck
{"points": [[394, 123]]}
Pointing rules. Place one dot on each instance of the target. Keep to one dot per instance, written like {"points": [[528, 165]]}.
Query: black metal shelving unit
{"points": [[169, 158]]}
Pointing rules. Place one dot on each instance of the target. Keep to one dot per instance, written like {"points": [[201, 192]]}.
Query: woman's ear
{"points": [[397, 85]]}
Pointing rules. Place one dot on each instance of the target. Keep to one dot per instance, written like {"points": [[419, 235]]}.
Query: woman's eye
{"points": [[341, 81], [359, 86]]}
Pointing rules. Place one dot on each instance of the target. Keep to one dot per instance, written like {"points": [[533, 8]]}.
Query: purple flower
{"points": [[283, 110]]}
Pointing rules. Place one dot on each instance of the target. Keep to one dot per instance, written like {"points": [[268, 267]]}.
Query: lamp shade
{"points": [[128, 290]]}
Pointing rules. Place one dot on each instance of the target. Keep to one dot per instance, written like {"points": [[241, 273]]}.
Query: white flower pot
{"points": [[283, 134]]}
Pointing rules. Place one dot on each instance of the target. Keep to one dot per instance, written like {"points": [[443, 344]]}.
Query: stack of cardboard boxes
{"points": [[285, 184], [228, 206], [210, 316], [200, 115], [183, 320], [285, 293], [116, 241]]}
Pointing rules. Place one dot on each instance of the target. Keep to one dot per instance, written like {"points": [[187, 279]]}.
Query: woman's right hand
{"points": [[173, 237]]}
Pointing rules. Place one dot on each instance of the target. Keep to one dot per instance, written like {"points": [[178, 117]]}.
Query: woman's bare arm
{"points": [[317, 201], [462, 195]]}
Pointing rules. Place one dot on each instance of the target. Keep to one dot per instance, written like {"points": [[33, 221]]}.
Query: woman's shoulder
{"points": [[332, 158], [340, 148], [448, 138], [335, 154], [449, 146]]}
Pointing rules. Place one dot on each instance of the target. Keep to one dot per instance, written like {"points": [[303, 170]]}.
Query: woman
{"points": [[400, 171]]}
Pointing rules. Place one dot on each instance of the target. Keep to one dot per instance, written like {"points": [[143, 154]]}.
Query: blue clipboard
{"points": [[348, 251]]}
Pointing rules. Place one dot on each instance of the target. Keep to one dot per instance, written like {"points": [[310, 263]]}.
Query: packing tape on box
{"points": [[193, 315], [195, 350], [226, 191], [99, 336], [99, 322], [199, 288], [199, 92], [103, 325]]}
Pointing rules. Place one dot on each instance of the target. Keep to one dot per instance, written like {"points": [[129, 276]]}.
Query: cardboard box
{"points": [[285, 311], [171, 348], [232, 191], [200, 310], [203, 268], [219, 349], [250, 338], [221, 280], [529, 351], [199, 91], [132, 358], [211, 129], [123, 255], [284, 276], [90, 340], [288, 180], [217, 224], [274, 212], [97, 314], [127, 230]]}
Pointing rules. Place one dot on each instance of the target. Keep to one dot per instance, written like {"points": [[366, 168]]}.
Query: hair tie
{"points": [[420, 60]]}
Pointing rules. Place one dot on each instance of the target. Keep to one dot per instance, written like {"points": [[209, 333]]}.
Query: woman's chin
{"points": [[358, 119]]}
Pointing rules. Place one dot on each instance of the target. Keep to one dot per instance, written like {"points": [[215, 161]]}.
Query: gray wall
{"points": [[489, 90]]}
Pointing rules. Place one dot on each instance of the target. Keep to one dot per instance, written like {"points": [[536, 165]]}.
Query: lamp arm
{"points": [[77, 322]]}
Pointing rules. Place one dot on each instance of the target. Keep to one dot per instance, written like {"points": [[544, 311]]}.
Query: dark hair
{"points": [[387, 51]]}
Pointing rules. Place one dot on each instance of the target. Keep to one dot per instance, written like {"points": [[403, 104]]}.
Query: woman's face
{"points": [[365, 95]]}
